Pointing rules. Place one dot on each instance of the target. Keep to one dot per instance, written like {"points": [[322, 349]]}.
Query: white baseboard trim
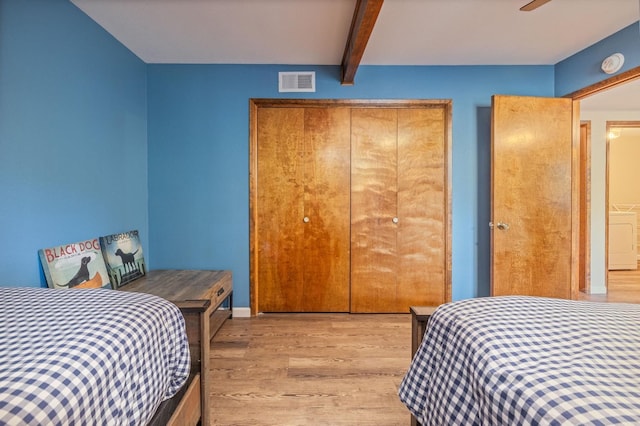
{"points": [[241, 312]]}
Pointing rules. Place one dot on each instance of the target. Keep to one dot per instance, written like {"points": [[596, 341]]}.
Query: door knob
{"points": [[502, 226], [305, 219], [395, 220]]}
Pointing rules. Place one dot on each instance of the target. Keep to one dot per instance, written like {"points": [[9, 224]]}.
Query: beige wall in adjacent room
{"points": [[624, 172], [624, 168]]}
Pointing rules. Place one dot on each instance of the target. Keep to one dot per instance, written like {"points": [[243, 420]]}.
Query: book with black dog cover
{"points": [[124, 257], [75, 265]]}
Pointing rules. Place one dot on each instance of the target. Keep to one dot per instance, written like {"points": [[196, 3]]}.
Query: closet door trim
{"points": [[256, 104]]}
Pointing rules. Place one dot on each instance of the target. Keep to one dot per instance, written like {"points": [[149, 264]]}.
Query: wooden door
{"points": [[422, 204], [302, 223], [534, 197], [399, 202], [300, 150], [373, 209], [280, 197], [326, 205]]}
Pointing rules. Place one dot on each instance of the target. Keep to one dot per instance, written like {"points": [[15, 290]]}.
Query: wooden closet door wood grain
{"points": [[421, 208], [326, 205], [373, 207], [281, 199], [303, 216], [350, 254]]}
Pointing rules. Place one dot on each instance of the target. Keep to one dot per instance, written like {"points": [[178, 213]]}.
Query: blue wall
{"points": [[81, 118], [73, 134], [584, 68], [199, 155]]}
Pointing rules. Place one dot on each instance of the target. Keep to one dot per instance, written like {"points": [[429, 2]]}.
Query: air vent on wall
{"points": [[303, 81]]}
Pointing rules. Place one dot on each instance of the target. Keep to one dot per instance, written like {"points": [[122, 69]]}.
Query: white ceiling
{"points": [[314, 32]]}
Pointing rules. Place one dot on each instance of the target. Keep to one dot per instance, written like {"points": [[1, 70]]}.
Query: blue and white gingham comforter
{"points": [[88, 357], [527, 361]]}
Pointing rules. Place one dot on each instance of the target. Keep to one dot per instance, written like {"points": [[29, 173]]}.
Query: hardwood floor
{"points": [[310, 369], [623, 286], [326, 369]]}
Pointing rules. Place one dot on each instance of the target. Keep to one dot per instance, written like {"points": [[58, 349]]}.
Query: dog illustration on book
{"points": [[128, 260], [82, 278], [83, 273]]}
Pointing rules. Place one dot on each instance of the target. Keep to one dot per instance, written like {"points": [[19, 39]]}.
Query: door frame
{"points": [[585, 239], [609, 125], [256, 103], [584, 266]]}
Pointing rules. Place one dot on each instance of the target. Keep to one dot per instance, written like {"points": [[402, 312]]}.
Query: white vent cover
{"points": [[303, 81]]}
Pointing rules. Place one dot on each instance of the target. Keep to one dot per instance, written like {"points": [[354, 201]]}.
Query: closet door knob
{"points": [[501, 226], [305, 219], [395, 220]]}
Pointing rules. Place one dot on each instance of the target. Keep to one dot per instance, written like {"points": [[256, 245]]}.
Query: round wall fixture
{"points": [[613, 63]]}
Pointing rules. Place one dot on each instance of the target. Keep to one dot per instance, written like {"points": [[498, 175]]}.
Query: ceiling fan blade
{"points": [[533, 5]]}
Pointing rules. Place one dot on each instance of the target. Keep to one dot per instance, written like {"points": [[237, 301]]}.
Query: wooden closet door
{"points": [[281, 208], [373, 208], [303, 215], [326, 205], [422, 200], [350, 167], [399, 226]]}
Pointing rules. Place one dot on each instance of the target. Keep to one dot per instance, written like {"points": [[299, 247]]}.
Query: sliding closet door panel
{"points": [[326, 207], [421, 208], [281, 209], [373, 209]]}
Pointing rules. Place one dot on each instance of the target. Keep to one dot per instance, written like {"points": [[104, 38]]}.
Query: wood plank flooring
{"points": [[326, 369], [310, 369], [623, 286]]}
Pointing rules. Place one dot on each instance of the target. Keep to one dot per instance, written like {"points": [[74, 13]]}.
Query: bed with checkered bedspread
{"points": [[527, 361], [88, 356]]}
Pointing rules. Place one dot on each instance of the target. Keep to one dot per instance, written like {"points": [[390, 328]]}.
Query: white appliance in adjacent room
{"points": [[623, 240]]}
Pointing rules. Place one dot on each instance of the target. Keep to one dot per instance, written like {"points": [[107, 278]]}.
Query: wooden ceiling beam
{"points": [[533, 5], [364, 19]]}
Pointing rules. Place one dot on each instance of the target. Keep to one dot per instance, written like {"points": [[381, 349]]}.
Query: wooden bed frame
{"points": [[419, 320], [199, 294], [190, 405]]}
